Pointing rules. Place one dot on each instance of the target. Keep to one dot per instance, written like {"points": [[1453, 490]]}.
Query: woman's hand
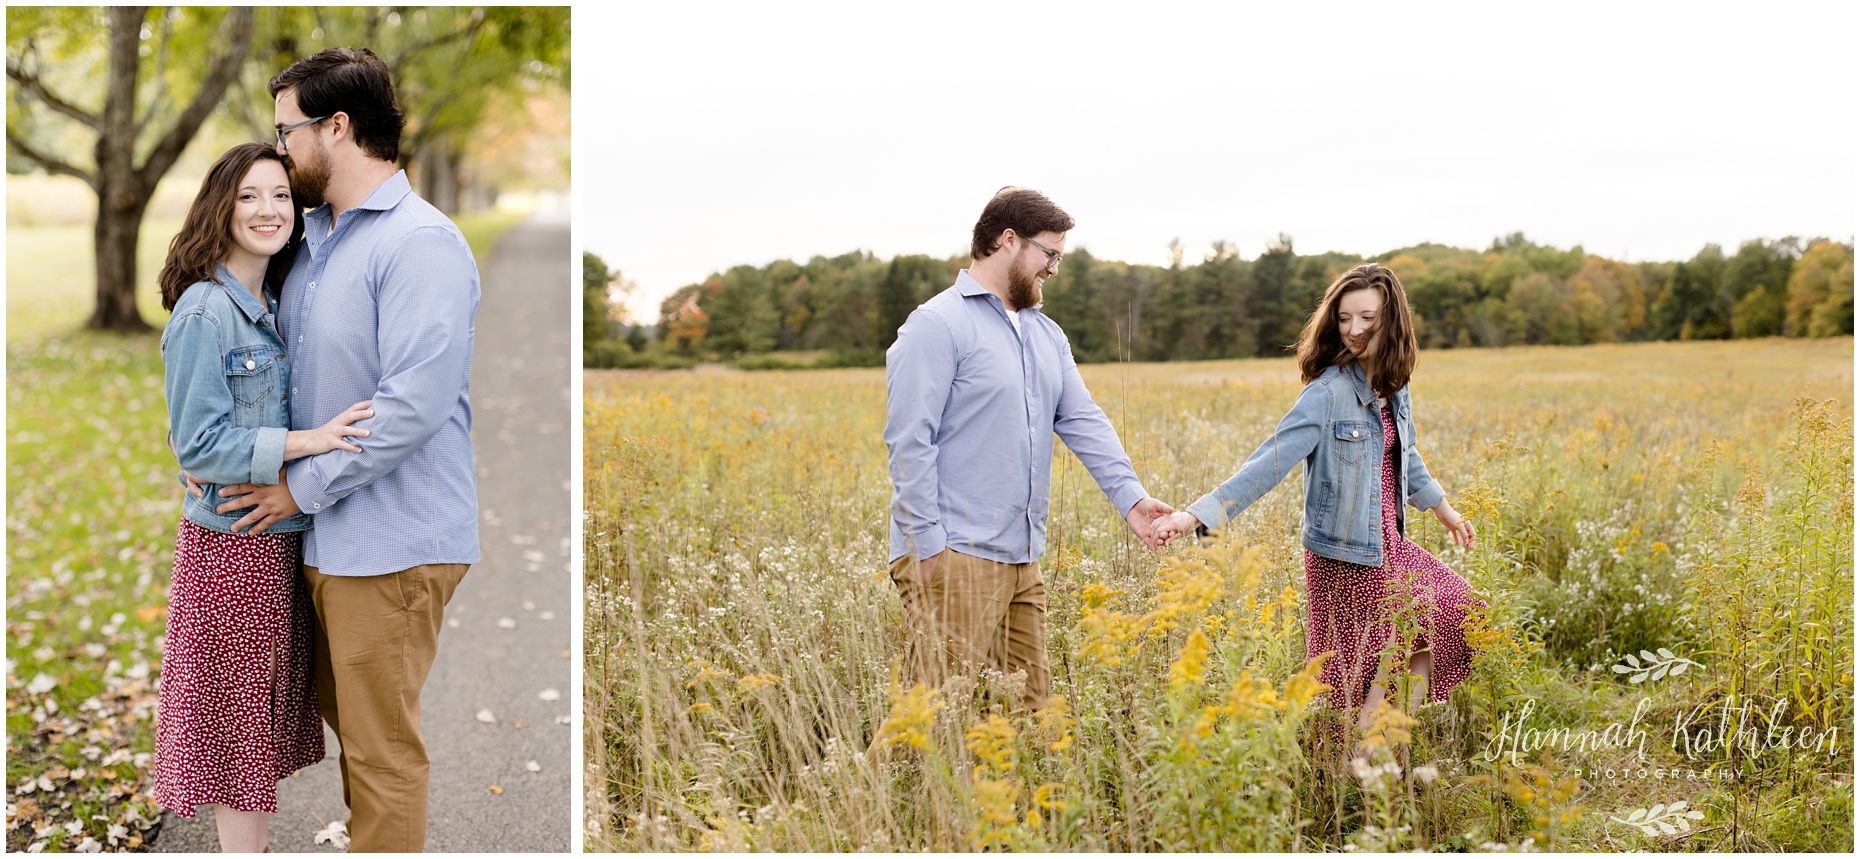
{"points": [[330, 436], [1169, 527], [1458, 526]]}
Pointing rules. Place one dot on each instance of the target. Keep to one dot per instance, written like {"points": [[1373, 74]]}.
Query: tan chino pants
{"points": [[985, 613], [376, 637]]}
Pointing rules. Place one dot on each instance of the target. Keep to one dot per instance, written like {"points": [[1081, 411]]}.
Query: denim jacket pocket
{"points": [[252, 375], [1351, 440]]}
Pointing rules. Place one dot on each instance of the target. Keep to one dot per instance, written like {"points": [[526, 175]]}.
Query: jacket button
{"points": [[250, 365]]}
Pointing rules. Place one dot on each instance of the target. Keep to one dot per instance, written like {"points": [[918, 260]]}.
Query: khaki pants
{"points": [[375, 641], [973, 610]]}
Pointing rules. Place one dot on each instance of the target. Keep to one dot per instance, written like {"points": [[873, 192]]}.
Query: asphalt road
{"points": [[506, 648]]}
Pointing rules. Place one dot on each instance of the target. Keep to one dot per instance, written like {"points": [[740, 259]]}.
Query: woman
{"points": [[1352, 428], [238, 706]]}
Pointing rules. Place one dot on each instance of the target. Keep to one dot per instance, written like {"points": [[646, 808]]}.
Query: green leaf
{"points": [[1649, 657], [1665, 654], [1629, 659], [1679, 668], [1637, 815], [1660, 672]]}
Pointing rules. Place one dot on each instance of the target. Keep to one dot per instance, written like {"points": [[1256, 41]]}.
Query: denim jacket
{"points": [[1335, 428], [227, 382]]}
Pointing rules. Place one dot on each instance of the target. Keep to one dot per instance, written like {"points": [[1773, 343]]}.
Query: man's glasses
{"points": [[1053, 257], [290, 128]]}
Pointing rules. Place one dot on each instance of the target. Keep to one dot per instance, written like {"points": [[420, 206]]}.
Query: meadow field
{"points": [[1665, 543], [92, 505]]}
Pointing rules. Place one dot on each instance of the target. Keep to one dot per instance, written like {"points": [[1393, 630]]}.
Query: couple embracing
{"points": [[979, 382], [317, 373]]}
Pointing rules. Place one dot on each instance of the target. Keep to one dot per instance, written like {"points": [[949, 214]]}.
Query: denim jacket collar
{"points": [[1353, 371], [242, 297]]}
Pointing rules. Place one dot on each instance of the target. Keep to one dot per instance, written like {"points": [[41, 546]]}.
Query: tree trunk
{"points": [[119, 220], [439, 174]]}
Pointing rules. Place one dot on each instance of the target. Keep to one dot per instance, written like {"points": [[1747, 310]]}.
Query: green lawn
{"points": [[91, 511]]}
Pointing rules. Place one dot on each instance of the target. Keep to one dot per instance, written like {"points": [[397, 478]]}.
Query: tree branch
{"points": [[224, 69], [48, 162], [33, 85], [403, 54]]}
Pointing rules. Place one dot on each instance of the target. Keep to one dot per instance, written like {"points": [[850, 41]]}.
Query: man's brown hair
{"points": [[352, 81], [1025, 211], [206, 237], [1320, 345]]}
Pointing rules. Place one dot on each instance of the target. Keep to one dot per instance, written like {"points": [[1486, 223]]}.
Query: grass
{"points": [[91, 511], [1696, 497]]}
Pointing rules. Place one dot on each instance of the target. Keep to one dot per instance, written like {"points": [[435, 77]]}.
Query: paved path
{"points": [[520, 432]]}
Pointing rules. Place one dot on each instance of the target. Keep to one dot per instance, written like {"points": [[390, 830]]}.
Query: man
{"points": [[975, 387], [379, 305]]}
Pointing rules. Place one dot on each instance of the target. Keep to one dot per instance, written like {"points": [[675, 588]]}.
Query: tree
{"points": [[139, 135], [1821, 291], [596, 298], [908, 282], [448, 63]]}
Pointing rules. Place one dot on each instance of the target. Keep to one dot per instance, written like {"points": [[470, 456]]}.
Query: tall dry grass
{"points": [[1683, 499]]}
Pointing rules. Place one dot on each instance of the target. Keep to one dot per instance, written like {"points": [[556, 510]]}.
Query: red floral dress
{"points": [[1354, 608], [238, 707]]}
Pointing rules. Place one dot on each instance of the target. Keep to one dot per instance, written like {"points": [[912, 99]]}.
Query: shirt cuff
{"points": [[1428, 497], [268, 455], [1127, 497], [1208, 509], [306, 487], [927, 542]]}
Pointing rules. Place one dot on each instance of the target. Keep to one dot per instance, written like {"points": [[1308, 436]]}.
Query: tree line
{"points": [[846, 309]]}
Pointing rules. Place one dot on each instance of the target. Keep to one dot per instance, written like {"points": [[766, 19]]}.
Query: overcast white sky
{"points": [[718, 134]]}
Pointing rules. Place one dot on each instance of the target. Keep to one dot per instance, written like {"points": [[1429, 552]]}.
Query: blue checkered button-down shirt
{"points": [[381, 308], [971, 406]]}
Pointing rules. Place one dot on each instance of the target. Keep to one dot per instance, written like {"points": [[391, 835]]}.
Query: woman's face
{"points": [[262, 211], [1357, 314]]}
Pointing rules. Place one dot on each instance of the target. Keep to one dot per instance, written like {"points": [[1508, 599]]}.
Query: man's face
{"points": [[303, 151], [1031, 267]]}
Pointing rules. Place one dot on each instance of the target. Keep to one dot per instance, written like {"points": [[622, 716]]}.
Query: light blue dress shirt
{"points": [[971, 407], [381, 308]]}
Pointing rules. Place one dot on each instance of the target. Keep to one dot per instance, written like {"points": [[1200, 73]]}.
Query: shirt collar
{"points": [[385, 196], [969, 287], [241, 296]]}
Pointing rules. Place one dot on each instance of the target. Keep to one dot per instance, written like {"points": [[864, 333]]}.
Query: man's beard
{"points": [[1023, 289], [309, 180]]}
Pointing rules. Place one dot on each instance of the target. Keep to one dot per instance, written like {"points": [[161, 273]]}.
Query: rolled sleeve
{"points": [[1294, 440], [919, 369], [426, 290], [1082, 425], [207, 442], [267, 455]]}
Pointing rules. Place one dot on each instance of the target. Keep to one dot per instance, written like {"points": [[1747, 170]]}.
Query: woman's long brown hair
{"points": [[1320, 346], [206, 237]]}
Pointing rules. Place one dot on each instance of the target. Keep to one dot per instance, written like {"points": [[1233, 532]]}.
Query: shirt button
{"points": [[313, 284], [250, 364], [293, 390], [316, 505]]}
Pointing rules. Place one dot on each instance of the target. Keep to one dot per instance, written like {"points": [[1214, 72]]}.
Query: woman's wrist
{"points": [[298, 444]]}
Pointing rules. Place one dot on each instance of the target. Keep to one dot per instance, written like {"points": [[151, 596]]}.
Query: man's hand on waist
{"points": [[270, 504]]}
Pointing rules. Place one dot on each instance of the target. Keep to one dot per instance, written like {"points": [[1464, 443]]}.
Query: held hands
{"points": [[330, 436], [1143, 517], [1175, 525], [1459, 527], [269, 504]]}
